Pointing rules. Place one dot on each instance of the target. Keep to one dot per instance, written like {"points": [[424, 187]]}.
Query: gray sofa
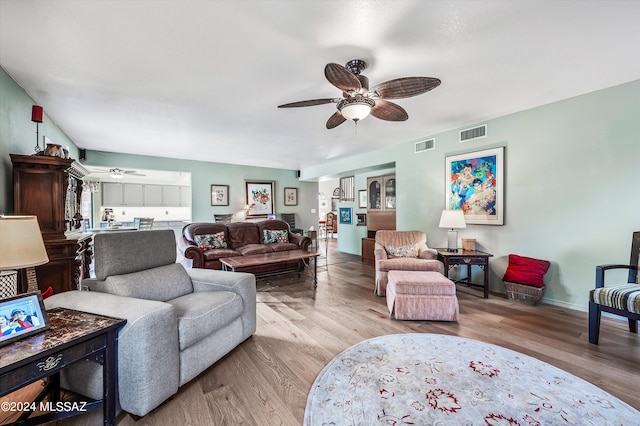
{"points": [[179, 321]]}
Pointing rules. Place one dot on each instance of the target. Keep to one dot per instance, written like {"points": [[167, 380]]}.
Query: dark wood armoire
{"points": [[50, 188]]}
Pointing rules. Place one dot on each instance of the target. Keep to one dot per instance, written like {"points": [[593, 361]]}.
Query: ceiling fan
{"points": [[358, 101], [117, 173]]}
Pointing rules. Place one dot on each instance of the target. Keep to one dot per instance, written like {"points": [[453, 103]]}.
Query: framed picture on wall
{"points": [[361, 219], [345, 215], [259, 198], [334, 204], [362, 199], [475, 185], [291, 196], [219, 195]]}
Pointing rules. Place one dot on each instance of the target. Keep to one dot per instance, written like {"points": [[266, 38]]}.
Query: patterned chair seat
{"points": [[625, 297]]}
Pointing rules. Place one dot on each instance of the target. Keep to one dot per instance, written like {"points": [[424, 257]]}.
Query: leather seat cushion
{"points": [[216, 254], [283, 246], [250, 249]]}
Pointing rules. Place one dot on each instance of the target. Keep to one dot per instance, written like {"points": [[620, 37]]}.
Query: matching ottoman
{"points": [[422, 295]]}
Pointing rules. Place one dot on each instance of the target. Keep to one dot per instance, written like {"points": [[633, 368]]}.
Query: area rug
{"points": [[432, 379]]}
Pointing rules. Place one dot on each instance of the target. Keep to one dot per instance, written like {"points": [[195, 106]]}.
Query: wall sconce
{"points": [[36, 115]]}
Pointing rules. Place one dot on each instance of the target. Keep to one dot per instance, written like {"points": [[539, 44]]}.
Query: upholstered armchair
{"points": [[621, 299], [402, 251]]}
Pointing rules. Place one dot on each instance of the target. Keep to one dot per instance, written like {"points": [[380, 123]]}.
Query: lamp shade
{"points": [[452, 219], [36, 113], [21, 244]]}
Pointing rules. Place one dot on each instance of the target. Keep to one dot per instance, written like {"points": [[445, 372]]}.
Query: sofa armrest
{"points": [[243, 284], [428, 253], [147, 344], [301, 241], [379, 253], [192, 253]]}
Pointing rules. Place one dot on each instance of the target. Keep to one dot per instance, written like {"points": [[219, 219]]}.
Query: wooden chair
{"points": [[331, 224], [142, 223], [621, 299]]}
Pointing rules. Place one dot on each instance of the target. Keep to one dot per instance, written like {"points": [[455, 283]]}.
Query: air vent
{"points": [[425, 145], [467, 135]]}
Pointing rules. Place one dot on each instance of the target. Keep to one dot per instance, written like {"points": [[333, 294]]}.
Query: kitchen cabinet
{"points": [[132, 194], [153, 195], [185, 196], [170, 196], [143, 195]]}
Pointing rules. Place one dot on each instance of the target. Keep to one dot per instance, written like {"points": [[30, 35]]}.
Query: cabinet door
{"points": [[132, 194], [170, 195], [153, 195], [374, 194], [390, 192], [111, 194], [185, 196]]}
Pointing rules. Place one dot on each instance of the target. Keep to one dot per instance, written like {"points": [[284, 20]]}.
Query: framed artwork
{"points": [[345, 215], [361, 219], [334, 204], [259, 199], [22, 316], [219, 195], [362, 199], [475, 185], [291, 196]]}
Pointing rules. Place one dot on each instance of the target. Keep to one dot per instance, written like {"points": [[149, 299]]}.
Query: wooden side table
{"points": [[467, 258], [73, 336]]}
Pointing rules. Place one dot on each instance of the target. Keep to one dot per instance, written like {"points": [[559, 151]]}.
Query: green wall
{"points": [[571, 190], [204, 174], [571, 178], [18, 134]]}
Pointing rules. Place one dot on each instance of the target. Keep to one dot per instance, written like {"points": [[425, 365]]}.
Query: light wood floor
{"points": [[265, 381]]}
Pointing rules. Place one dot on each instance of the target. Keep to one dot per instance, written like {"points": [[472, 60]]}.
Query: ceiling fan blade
{"points": [[340, 77], [311, 102], [406, 87], [389, 111], [335, 120]]}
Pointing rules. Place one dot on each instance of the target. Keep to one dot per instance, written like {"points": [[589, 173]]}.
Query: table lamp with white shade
{"points": [[452, 219], [21, 246]]}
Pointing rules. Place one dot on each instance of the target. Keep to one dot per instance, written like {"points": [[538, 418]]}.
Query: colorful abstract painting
{"points": [[475, 183]]}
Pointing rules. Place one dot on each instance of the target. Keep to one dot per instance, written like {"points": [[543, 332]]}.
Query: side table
{"points": [[467, 258], [72, 336]]}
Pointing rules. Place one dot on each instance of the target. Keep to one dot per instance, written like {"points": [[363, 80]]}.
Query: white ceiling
{"points": [[202, 79]]}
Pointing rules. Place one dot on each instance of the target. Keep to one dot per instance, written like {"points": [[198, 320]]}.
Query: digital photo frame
{"points": [[22, 316]]}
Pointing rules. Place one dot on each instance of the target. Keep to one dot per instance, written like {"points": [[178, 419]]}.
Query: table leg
{"points": [[109, 380], [485, 267], [315, 271]]}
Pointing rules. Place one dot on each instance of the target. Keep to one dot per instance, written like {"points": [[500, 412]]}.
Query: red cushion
{"points": [[526, 270]]}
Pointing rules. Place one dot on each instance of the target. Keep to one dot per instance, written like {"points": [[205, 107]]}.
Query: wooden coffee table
{"points": [[239, 262]]}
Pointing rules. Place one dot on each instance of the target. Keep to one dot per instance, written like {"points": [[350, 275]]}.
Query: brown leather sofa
{"points": [[242, 239]]}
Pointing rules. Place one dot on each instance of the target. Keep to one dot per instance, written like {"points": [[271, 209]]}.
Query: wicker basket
{"points": [[524, 293]]}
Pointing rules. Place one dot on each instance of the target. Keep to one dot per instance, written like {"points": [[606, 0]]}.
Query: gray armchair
{"points": [[179, 321]]}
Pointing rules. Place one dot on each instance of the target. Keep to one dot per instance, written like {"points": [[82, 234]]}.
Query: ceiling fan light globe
{"points": [[356, 111]]}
